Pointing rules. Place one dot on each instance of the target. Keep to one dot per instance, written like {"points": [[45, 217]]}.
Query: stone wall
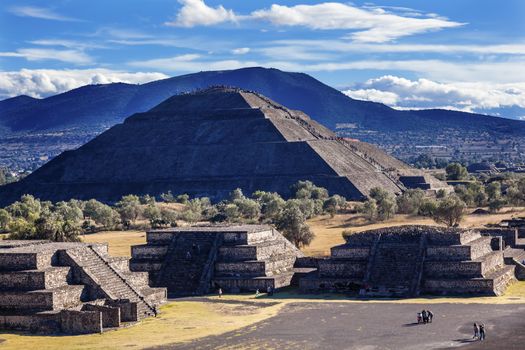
{"points": [[80, 322]]}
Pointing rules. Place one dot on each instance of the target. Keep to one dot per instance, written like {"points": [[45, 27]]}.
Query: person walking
{"points": [[476, 331], [220, 292], [430, 316], [481, 332], [257, 293], [419, 318]]}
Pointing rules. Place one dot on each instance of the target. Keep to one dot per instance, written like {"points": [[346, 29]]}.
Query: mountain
{"points": [[210, 142], [111, 103], [31, 129]]}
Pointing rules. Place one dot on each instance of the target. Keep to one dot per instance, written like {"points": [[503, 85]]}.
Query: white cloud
{"points": [[197, 13], [191, 63], [241, 51], [36, 54], [40, 12], [370, 24], [71, 44], [45, 82], [424, 93]]}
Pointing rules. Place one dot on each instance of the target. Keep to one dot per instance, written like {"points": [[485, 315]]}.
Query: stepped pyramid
{"points": [[408, 260], [198, 260], [70, 287], [210, 142]]}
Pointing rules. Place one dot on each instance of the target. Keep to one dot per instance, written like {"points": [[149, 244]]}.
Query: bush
{"points": [[410, 201], [456, 171], [292, 223]]}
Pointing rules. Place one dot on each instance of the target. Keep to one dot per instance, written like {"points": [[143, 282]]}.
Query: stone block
{"points": [[110, 314], [81, 322]]}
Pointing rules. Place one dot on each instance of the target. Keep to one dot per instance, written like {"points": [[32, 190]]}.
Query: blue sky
{"points": [[462, 54]]}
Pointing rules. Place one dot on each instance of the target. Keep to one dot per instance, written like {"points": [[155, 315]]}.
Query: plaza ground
{"points": [[295, 321]]}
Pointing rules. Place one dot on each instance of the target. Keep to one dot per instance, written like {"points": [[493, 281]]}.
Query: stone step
{"points": [[51, 277], [46, 299], [492, 284], [26, 261], [238, 284], [336, 268]]}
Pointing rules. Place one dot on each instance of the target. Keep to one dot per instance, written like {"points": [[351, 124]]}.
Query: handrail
{"points": [[371, 259], [416, 281], [152, 308], [203, 287]]}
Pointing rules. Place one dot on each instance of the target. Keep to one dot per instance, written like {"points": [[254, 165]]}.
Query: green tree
{"points": [[292, 224], [236, 194], [450, 211], [410, 201], [456, 171], [271, 204], [369, 210], [386, 204], [167, 197], [5, 219], [129, 209], [428, 207], [248, 208], [334, 204], [182, 198]]}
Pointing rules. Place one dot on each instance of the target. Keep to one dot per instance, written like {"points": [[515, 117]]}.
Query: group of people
{"points": [[479, 331], [269, 292], [425, 316]]}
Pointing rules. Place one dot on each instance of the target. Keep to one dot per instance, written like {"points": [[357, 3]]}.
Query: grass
{"points": [[119, 242], [178, 322]]}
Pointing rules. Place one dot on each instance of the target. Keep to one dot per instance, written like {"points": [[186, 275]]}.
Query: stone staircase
{"points": [[394, 268], [108, 280], [74, 288], [186, 262]]}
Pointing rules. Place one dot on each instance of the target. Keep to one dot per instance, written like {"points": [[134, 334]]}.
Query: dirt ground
{"points": [[119, 242]]}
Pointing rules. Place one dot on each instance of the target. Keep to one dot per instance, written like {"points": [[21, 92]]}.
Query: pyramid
{"points": [[208, 143]]}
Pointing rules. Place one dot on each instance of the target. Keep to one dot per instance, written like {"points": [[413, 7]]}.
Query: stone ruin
{"points": [[409, 260], [198, 260], [70, 288]]}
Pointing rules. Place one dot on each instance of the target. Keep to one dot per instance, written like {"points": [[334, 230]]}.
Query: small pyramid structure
{"points": [[208, 143]]}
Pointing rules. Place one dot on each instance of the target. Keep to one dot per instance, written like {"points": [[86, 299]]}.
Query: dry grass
{"points": [[329, 231], [178, 322], [119, 242]]}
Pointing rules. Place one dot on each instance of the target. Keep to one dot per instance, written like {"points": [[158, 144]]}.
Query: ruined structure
{"points": [[70, 288], [409, 260], [213, 141], [198, 260]]}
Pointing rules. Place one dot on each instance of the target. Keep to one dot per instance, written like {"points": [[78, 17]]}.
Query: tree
{"points": [[386, 204], [307, 190], [333, 204], [292, 223], [450, 211], [167, 197], [182, 198], [129, 209], [5, 219], [20, 228], [248, 208], [101, 213], [369, 209], [271, 204], [428, 207], [493, 190], [456, 171], [152, 212], [496, 204], [27, 208], [410, 201], [236, 194]]}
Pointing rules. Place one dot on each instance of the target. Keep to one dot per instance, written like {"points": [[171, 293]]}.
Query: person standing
{"points": [[476, 331], [220, 292], [481, 332], [425, 316], [430, 316]]}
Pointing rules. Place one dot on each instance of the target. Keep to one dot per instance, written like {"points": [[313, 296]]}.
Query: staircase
{"points": [[418, 276], [181, 272], [109, 280], [394, 267]]}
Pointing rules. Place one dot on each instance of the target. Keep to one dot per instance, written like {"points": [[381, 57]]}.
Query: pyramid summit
{"points": [[209, 142]]}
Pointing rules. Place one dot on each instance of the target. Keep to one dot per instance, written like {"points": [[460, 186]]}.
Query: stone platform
{"points": [[409, 260], [197, 260], [70, 288]]}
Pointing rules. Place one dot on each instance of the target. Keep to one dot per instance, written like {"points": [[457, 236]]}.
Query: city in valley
{"points": [[207, 174]]}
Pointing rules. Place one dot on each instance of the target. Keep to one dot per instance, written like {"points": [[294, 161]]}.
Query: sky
{"points": [[458, 54]]}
